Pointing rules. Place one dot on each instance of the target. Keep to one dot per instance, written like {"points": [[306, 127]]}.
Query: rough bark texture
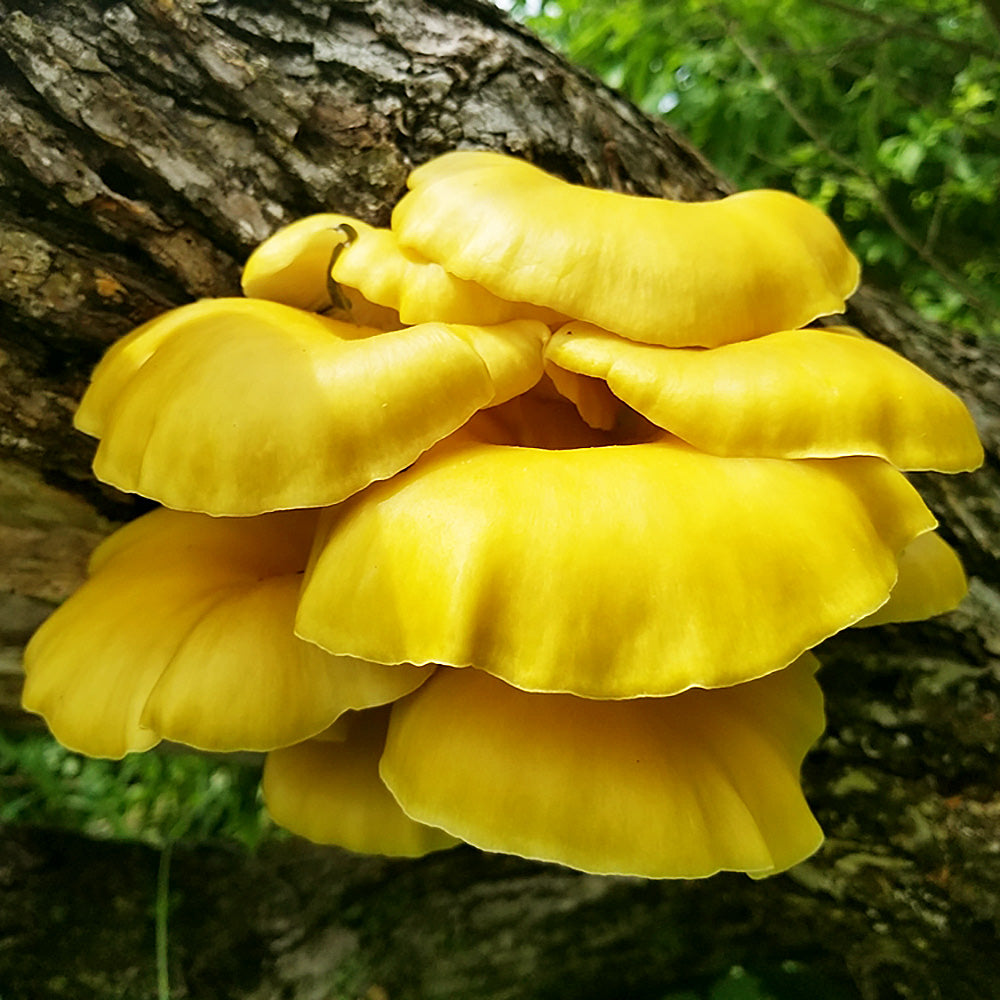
{"points": [[145, 147]]}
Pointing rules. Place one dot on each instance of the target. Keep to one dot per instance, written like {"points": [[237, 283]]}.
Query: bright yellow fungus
{"points": [[603, 571], [293, 267], [676, 787], [594, 401], [330, 792], [313, 262], [373, 262], [792, 394], [300, 410], [184, 632], [656, 271], [626, 535], [931, 581]]}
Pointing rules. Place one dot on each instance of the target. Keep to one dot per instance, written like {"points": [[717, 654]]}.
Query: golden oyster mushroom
{"points": [[292, 266], [609, 572], [678, 787], [630, 612], [651, 270], [422, 290], [184, 632], [366, 264], [792, 394], [931, 581], [329, 791], [241, 406]]}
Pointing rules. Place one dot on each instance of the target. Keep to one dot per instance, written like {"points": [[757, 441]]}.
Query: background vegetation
{"points": [[157, 798], [882, 112]]}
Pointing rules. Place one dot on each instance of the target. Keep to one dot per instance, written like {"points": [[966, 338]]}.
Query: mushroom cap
{"points": [[656, 271], [421, 290], [931, 581], [792, 394], [596, 404], [610, 572], [678, 787], [184, 631], [245, 406], [329, 791], [127, 355], [381, 279], [293, 266]]}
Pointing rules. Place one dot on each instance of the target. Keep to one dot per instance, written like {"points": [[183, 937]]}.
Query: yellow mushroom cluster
{"points": [[511, 524]]}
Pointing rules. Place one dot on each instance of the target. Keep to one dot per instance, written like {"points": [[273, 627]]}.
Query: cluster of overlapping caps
{"points": [[514, 529]]}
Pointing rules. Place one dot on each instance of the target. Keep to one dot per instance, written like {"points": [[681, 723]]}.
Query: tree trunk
{"points": [[145, 147]]}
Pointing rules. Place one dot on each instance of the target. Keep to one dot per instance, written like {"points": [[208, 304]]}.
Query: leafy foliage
{"points": [[154, 797], [882, 112]]}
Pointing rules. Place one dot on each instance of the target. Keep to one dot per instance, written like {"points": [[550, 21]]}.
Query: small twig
{"points": [[934, 227], [162, 911], [915, 30]]}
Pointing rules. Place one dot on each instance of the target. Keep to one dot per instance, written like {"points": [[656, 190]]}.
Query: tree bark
{"points": [[145, 147]]}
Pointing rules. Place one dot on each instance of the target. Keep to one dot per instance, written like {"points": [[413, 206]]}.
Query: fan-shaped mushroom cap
{"points": [[421, 290], [296, 264], [330, 792], [125, 357], [245, 406], [184, 631], [931, 582], [677, 787], [793, 394], [613, 572], [651, 270], [293, 266]]}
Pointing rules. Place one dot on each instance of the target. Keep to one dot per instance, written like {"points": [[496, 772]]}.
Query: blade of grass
{"points": [[162, 913]]}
